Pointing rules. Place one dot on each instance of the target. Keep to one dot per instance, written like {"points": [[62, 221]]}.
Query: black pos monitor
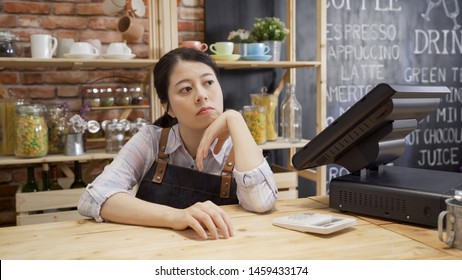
{"points": [[365, 139]]}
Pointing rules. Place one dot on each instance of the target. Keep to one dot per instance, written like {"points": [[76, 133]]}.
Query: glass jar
{"points": [[137, 125], [7, 126], [107, 97], [122, 97], [56, 122], [270, 102], [255, 118], [115, 134], [7, 44], [92, 97], [137, 96], [31, 131]]}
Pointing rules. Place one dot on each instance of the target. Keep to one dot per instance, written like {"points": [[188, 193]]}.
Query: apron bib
{"points": [[181, 187]]}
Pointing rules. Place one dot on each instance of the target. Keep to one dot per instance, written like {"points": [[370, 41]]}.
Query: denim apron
{"points": [[181, 187]]}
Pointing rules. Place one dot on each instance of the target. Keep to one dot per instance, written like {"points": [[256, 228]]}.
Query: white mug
{"points": [[64, 46], [42, 45], [83, 48], [118, 48]]}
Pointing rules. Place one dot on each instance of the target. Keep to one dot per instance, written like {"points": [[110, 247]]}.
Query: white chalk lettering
{"points": [[362, 71], [364, 32], [336, 172], [446, 135], [357, 52], [347, 93], [438, 42], [439, 157], [425, 74]]}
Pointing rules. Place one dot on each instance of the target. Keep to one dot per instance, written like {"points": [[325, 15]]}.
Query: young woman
{"points": [[183, 164]]}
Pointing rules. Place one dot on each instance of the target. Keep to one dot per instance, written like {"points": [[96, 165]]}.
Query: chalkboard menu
{"points": [[368, 42], [405, 42]]}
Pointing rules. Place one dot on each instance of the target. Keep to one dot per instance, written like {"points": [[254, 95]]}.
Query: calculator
{"points": [[314, 222]]}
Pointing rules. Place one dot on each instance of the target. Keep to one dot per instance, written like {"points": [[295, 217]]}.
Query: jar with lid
{"points": [[291, 116], [56, 122], [31, 131], [270, 102], [92, 97], [115, 134], [255, 118], [137, 95], [7, 44], [107, 97], [122, 97], [137, 125]]}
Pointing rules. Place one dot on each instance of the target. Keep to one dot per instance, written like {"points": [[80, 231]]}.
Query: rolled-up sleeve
{"points": [[124, 172], [256, 189]]}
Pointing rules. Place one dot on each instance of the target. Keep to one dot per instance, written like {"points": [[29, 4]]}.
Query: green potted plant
{"points": [[271, 31], [240, 38]]}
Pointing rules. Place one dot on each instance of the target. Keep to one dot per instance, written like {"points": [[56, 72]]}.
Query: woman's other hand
{"points": [[203, 217]]}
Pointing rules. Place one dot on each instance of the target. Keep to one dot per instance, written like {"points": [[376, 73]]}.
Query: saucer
{"points": [[230, 57], [119, 56], [80, 55], [257, 57]]}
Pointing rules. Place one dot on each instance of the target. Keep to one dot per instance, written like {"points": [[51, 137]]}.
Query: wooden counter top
{"points": [[255, 238]]}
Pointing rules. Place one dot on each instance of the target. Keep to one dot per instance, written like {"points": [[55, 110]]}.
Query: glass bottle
{"points": [[31, 184], [46, 186], [31, 131], [54, 184], [78, 181], [291, 116]]}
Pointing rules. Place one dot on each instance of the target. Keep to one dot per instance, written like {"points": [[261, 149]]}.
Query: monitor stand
{"points": [[397, 193]]}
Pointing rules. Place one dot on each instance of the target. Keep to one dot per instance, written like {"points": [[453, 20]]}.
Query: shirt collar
{"points": [[175, 142]]}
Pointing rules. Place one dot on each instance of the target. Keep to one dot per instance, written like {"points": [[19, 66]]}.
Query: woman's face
{"points": [[195, 95]]}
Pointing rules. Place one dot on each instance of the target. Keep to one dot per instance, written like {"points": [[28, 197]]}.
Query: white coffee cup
{"points": [[95, 43], [42, 45], [83, 48], [118, 48], [64, 46]]}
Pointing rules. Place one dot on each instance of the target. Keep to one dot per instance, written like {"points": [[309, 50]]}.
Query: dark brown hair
{"points": [[163, 70]]}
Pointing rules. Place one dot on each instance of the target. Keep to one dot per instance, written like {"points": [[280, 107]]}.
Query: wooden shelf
{"points": [[100, 154], [66, 63], [267, 64], [120, 107], [88, 156]]}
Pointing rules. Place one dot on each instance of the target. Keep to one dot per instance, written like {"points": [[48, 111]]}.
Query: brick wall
{"points": [[80, 20]]}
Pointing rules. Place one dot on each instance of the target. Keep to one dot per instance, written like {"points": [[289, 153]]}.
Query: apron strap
{"points": [[163, 157], [163, 143], [227, 175]]}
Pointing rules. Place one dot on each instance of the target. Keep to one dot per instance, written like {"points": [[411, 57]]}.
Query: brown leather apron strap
{"points": [[163, 142], [227, 176], [229, 165], [162, 158]]}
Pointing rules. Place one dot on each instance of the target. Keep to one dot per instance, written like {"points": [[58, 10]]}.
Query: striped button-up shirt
{"points": [[256, 189]]}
